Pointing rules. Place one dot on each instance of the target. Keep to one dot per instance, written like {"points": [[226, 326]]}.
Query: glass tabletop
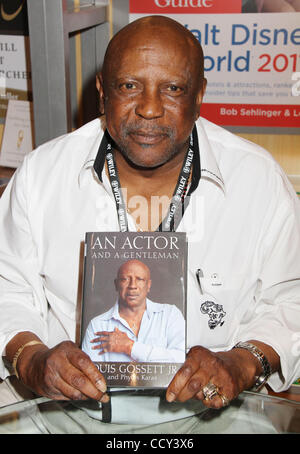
{"points": [[250, 413]]}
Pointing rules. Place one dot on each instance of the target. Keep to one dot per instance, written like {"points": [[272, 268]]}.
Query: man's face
{"points": [[152, 97], [133, 284]]}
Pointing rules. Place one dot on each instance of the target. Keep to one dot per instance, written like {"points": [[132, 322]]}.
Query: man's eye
{"points": [[174, 88], [127, 86]]}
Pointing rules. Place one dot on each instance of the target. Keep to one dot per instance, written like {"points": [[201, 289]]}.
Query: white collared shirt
{"points": [[161, 336], [242, 223]]}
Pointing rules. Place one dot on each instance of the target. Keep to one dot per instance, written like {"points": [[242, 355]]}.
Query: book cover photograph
{"points": [[133, 323]]}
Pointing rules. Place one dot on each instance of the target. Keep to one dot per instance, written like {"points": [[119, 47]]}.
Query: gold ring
{"points": [[209, 391], [224, 400]]}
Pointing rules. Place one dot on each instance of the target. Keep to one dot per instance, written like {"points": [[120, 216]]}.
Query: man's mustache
{"points": [[145, 129]]}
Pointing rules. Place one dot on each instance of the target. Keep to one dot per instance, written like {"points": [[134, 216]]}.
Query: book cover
{"points": [[133, 323]]}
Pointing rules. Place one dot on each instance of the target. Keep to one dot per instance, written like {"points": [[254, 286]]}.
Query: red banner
{"points": [[252, 114], [185, 6]]}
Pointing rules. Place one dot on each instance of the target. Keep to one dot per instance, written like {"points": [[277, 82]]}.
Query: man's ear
{"points": [[199, 98], [149, 285], [99, 86]]}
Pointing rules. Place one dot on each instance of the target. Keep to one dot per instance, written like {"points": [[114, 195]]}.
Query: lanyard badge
{"points": [[168, 224]]}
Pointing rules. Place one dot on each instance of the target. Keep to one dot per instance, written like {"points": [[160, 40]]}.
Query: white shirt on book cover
{"points": [[161, 337]]}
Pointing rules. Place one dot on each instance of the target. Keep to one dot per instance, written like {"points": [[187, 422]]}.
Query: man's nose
{"points": [[149, 105], [132, 282]]}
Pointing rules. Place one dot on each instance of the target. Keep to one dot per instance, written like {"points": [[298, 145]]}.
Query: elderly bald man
{"points": [[136, 328], [151, 89]]}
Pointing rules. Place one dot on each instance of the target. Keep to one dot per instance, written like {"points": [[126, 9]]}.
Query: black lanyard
{"points": [[171, 221]]}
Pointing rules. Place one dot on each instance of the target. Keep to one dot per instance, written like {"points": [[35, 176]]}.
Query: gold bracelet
{"points": [[18, 353]]}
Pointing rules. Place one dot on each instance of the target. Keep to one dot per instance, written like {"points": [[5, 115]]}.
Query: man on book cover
{"points": [[136, 328]]}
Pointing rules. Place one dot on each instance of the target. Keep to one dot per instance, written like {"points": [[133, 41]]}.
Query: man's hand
{"points": [[61, 373], [113, 341], [231, 372]]}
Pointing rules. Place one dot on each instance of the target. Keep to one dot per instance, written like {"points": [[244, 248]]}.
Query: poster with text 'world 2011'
{"points": [[251, 57]]}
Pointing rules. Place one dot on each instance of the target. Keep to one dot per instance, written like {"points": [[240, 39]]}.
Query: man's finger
{"points": [[62, 390], [104, 347], [180, 380], [91, 381], [191, 377], [95, 340], [99, 339]]}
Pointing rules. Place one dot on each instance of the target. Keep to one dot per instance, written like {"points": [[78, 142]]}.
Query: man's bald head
{"points": [[135, 265], [149, 30]]}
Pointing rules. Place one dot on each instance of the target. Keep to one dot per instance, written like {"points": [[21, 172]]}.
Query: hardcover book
{"points": [[133, 323]]}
